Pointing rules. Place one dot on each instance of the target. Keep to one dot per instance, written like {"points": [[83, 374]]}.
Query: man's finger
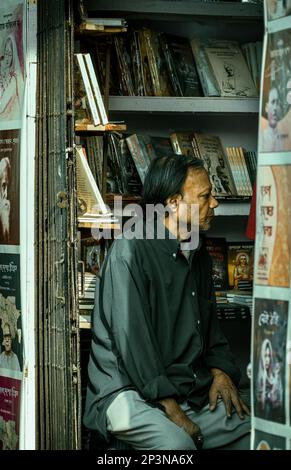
{"points": [[237, 405], [245, 407], [213, 394], [227, 403]]}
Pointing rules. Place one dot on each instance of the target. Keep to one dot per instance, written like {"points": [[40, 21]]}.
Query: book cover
{"points": [[140, 157], [207, 79], [269, 358], [216, 164], [88, 89], [9, 187], [275, 115], [183, 61], [277, 9], [267, 441], [273, 227], [159, 75], [217, 248], [240, 258], [229, 67]]}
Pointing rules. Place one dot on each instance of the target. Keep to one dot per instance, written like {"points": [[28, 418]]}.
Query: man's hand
{"points": [[177, 415], [223, 387]]}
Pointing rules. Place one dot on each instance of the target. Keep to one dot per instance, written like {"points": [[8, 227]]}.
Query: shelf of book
{"points": [[89, 127], [178, 105], [240, 10]]}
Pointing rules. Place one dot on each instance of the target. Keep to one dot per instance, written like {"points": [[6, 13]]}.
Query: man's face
{"points": [[4, 178], [7, 343], [197, 190], [273, 108]]}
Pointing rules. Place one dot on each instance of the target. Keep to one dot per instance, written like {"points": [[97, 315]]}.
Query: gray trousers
{"points": [[131, 419]]}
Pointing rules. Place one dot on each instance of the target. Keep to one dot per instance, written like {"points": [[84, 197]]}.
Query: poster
{"points": [[278, 9], [240, 259], [10, 314], [275, 119], [273, 237], [10, 392], [9, 187], [12, 60], [266, 441], [269, 359]]}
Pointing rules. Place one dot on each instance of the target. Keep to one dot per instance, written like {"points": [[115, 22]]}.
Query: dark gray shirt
{"points": [[155, 328]]}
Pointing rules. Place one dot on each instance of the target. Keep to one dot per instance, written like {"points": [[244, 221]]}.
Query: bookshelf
{"points": [[233, 119], [181, 105], [241, 11]]}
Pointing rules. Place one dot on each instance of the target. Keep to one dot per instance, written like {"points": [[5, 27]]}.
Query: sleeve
{"points": [[217, 352], [126, 309]]}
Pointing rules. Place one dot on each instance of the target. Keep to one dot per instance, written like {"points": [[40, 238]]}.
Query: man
{"points": [[5, 169], [8, 359], [271, 139], [159, 362]]}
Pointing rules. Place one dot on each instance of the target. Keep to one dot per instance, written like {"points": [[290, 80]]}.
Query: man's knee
{"points": [[178, 440]]}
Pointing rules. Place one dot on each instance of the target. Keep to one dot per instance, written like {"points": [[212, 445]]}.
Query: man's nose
{"points": [[213, 203]]}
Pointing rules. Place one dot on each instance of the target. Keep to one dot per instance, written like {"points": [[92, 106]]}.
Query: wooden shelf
{"points": [[94, 29], [242, 11], [101, 225], [177, 105], [89, 127]]}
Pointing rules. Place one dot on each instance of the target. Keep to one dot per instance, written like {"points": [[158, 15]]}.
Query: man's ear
{"points": [[173, 202]]}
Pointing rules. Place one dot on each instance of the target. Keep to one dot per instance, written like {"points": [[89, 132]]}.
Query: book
{"points": [[139, 154], [215, 162], [230, 70], [207, 79], [96, 89], [88, 88], [90, 201], [217, 248], [275, 113], [269, 358], [181, 66], [157, 67], [273, 242], [181, 143], [240, 265]]}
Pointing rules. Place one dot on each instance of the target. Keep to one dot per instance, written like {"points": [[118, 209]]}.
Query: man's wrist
{"points": [[215, 372]]}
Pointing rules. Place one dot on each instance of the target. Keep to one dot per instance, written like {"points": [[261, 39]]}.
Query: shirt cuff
{"points": [[229, 369]]}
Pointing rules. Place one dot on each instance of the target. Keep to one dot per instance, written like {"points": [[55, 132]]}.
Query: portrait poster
{"points": [[12, 60], [11, 341], [275, 116], [10, 393], [240, 262], [273, 227], [277, 9], [9, 186], [266, 441], [269, 359]]}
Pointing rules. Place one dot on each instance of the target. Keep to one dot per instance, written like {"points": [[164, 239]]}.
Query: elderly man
{"points": [[161, 375], [4, 202]]}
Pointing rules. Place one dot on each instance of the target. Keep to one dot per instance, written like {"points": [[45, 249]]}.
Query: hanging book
{"points": [[90, 201], [95, 100]]}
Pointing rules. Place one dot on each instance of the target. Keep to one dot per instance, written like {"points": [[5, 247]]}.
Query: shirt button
{"points": [[195, 376], [193, 293], [174, 255], [198, 322]]}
